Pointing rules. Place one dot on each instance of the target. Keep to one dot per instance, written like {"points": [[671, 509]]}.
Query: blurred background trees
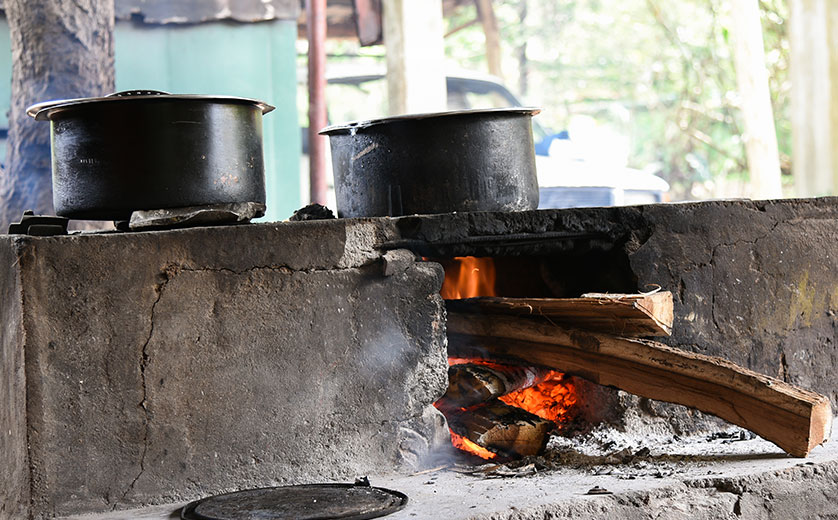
{"points": [[656, 76]]}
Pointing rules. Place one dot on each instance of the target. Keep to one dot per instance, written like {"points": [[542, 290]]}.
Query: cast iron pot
{"points": [[145, 150], [467, 160]]}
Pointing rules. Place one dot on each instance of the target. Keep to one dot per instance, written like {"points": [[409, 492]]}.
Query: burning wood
{"points": [[633, 315], [503, 429], [795, 419], [470, 383], [586, 337], [538, 400]]}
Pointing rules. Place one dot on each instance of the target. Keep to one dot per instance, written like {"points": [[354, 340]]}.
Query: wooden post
{"points": [[814, 96], [413, 35], [523, 63], [317, 118], [752, 78], [368, 21], [490, 29], [59, 50]]}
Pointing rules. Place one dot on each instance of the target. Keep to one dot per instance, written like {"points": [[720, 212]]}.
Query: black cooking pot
{"points": [[145, 150], [468, 160]]}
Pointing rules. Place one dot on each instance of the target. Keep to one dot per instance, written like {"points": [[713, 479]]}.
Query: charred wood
{"points": [[503, 429]]}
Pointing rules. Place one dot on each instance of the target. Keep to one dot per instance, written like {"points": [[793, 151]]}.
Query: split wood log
{"points": [[794, 419], [624, 314], [470, 384], [506, 430]]}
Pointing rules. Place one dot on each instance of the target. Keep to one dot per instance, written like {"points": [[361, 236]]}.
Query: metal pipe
{"points": [[317, 119]]}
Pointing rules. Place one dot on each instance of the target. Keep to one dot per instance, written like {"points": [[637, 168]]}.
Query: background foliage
{"points": [[659, 72]]}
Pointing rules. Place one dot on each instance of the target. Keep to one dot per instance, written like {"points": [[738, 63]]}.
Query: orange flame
{"points": [[461, 443], [552, 400], [468, 277]]}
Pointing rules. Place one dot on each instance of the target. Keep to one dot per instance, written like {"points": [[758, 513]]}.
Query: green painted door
{"points": [[250, 60]]}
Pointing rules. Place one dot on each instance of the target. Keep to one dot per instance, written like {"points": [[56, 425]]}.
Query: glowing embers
{"points": [[552, 399], [464, 444], [498, 409]]}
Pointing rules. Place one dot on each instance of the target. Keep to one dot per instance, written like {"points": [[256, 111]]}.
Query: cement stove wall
{"points": [[170, 365], [14, 462]]}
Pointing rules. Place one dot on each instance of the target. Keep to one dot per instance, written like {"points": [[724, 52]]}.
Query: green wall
{"points": [[249, 60]]}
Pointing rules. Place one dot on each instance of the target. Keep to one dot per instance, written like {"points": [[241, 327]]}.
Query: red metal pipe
{"points": [[317, 119]]}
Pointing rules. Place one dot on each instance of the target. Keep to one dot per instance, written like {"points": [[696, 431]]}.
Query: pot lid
{"points": [[44, 111], [301, 502], [356, 125]]}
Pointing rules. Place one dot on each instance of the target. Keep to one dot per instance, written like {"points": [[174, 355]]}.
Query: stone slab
{"points": [[717, 480]]}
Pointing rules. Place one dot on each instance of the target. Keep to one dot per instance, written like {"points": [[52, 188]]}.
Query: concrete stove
{"points": [[160, 367]]}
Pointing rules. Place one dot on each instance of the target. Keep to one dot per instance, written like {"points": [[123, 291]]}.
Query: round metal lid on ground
{"points": [[301, 502]]}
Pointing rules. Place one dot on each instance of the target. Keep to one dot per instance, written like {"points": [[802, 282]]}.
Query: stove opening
{"points": [[501, 408]]}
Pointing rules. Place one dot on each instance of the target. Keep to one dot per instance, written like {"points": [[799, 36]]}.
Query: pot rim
{"points": [[45, 110], [353, 126]]}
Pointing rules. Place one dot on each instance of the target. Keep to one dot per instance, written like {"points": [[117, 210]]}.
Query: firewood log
{"points": [[628, 315], [794, 419], [504, 429], [470, 384]]}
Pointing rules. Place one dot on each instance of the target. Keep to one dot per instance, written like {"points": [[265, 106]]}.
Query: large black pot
{"points": [[468, 160], [144, 150]]}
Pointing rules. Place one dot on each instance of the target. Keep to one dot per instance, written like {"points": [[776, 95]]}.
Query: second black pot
{"points": [[146, 150], [469, 160]]}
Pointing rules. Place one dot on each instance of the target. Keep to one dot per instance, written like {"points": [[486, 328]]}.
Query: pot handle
{"points": [[130, 93]]}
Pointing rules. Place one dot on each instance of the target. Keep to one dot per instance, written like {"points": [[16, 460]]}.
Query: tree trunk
{"points": [[413, 36], [486, 13], [813, 42], [59, 50], [752, 78], [523, 63]]}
